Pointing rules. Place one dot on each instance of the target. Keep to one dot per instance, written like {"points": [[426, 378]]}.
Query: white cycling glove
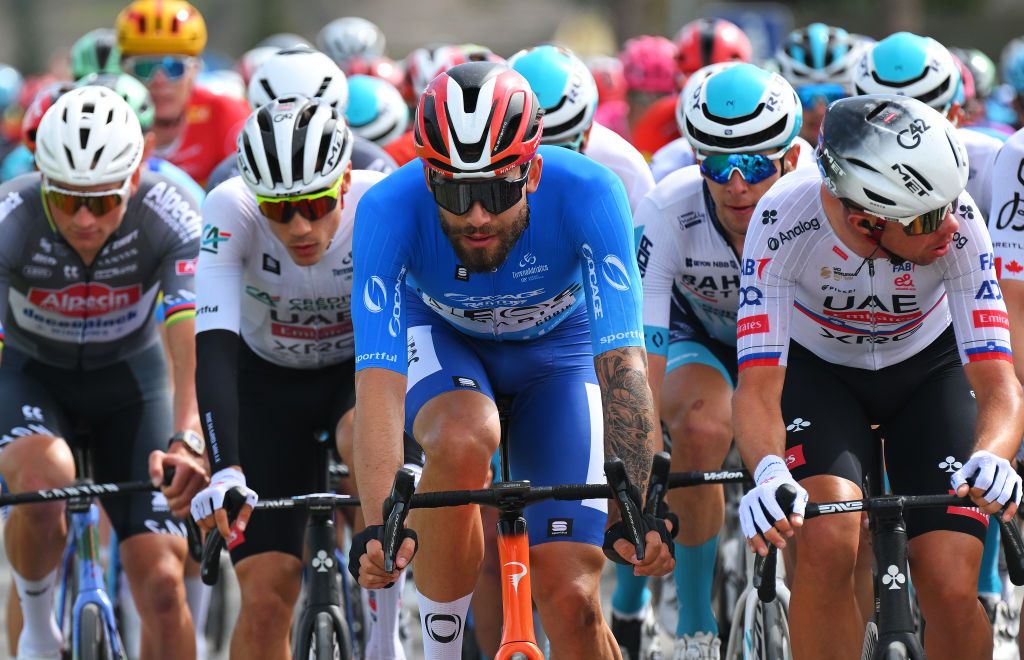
{"points": [[211, 498], [992, 474], [770, 474]]}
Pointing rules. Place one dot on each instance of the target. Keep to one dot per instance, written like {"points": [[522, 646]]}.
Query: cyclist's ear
{"points": [[533, 179], [346, 181]]}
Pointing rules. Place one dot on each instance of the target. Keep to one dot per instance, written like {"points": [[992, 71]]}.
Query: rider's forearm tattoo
{"points": [[628, 410]]}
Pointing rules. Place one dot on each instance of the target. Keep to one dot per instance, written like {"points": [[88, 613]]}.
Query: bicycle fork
{"points": [[85, 519], [892, 599], [518, 640]]}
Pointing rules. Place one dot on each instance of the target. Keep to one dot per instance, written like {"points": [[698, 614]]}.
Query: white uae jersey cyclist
{"points": [[1006, 220], [246, 283], [800, 281], [981, 154]]}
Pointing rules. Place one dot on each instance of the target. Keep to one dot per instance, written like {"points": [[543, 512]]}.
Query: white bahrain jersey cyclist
{"points": [[799, 281], [1006, 220], [682, 243], [608, 148], [293, 316], [981, 154]]}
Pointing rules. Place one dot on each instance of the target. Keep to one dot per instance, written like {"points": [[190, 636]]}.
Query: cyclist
{"points": [[95, 52], [983, 70], [568, 95], [273, 296], [882, 273], [694, 224], [818, 60], [922, 68], [698, 44], [1011, 65], [648, 62], [612, 107], [82, 357], [303, 71], [477, 322], [160, 42]]}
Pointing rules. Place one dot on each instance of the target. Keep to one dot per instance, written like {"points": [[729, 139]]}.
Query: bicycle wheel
{"points": [[92, 635], [325, 642], [776, 632], [896, 651], [870, 641]]}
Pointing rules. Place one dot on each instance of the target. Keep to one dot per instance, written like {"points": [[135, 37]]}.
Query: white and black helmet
{"points": [[299, 71], [293, 146], [818, 54], [908, 65], [696, 79], [891, 156], [89, 137], [740, 109], [376, 109], [351, 36]]}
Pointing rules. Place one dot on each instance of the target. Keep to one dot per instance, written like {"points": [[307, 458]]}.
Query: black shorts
{"points": [[926, 412], [123, 411], [280, 410]]}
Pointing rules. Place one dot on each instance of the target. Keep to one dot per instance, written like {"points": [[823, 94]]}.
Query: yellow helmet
{"points": [[160, 27]]}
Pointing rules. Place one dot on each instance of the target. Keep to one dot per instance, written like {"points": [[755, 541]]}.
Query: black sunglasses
{"points": [[495, 195]]}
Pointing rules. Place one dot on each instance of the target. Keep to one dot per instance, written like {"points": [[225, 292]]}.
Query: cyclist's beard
{"points": [[485, 260]]}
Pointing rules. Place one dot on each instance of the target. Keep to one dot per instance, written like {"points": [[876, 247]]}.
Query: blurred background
{"points": [[35, 32]]}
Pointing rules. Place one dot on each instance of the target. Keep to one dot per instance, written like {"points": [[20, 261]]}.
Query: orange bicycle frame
{"points": [[518, 640]]}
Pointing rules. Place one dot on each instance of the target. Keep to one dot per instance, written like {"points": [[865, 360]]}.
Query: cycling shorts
{"points": [[121, 411], [926, 413], [690, 343], [556, 419], [282, 410]]}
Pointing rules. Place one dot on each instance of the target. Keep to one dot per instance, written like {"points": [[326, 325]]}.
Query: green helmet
{"points": [[131, 90], [96, 52]]}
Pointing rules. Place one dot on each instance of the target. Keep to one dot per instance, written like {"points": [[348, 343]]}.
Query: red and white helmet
{"points": [[710, 41], [477, 120]]}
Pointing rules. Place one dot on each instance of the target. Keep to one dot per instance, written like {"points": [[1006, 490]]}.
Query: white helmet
{"points": [[818, 54], [89, 137], [293, 146], [565, 88], [376, 109], [908, 65], [740, 109], [693, 82], [299, 71], [351, 36], [892, 156]]}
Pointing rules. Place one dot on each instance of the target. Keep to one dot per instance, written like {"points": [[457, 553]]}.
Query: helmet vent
{"points": [[731, 121], [83, 137], [878, 199], [250, 157], [917, 175], [939, 91], [323, 87], [265, 84], [99, 153], [325, 144], [877, 110], [858, 162], [956, 154]]}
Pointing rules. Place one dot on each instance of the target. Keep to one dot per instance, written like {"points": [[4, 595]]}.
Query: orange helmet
{"points": [[160, 27]]}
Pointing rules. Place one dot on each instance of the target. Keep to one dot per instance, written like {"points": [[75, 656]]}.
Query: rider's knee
{"points": [[577, 599], [37, 462], [701, 430], [465, 449], [828, 547], [265, 608], [162, 591]]}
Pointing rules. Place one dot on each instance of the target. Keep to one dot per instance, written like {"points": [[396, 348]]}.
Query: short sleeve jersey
{"points": [[1006, 220], [290, 315], [800, 282], [61, 312], [576, 250], [611, 150]]}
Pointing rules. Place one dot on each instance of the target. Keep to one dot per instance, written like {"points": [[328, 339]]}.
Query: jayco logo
{"points": [[375, 296]]}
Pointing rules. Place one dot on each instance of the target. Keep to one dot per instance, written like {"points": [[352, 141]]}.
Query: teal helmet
{"points": [[131, 90], [95, 52]]}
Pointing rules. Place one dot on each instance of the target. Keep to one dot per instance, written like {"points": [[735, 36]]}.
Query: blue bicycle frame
{"points": [[83, 549]]}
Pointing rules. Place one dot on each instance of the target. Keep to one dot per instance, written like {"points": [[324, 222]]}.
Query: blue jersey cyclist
{"points": [[468, 289]]}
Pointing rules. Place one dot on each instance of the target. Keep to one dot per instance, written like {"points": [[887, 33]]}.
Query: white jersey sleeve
{"points": [[608, 148], [981, 155], [1006, 219], [228, 237]]}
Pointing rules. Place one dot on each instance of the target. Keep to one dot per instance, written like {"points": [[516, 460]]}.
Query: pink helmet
{"points": [[649, 63]]}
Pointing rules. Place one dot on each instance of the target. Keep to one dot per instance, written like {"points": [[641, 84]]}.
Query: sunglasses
{"points": [[827, 92], [926, 223], [754, 168], [495, 195], [313, 206], [99, 202], [146, 68]]}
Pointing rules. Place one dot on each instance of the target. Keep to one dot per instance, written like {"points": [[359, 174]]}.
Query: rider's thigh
{"points": [[459, 430], [154, 565], [697, 405]]}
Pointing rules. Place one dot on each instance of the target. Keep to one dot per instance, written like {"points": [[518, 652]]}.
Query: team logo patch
{"points": [[795, 457], [185, 267], [559, 527], [271, 265], [462, 381], [461, 273]]}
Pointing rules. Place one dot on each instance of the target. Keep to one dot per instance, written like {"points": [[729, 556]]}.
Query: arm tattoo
{"points": [[628, 410]]}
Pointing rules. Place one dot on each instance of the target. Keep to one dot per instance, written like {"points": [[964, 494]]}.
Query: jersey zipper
{"points": [[874, 311]]}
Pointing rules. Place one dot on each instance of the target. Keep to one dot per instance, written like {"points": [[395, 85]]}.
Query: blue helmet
{"points": [[739, 109], [376, 110], [10, 85], [906, 64], [1012, 64], [565, 88]]}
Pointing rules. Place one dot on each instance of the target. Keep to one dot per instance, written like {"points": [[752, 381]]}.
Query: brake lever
{"points": [[615, 473]]}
